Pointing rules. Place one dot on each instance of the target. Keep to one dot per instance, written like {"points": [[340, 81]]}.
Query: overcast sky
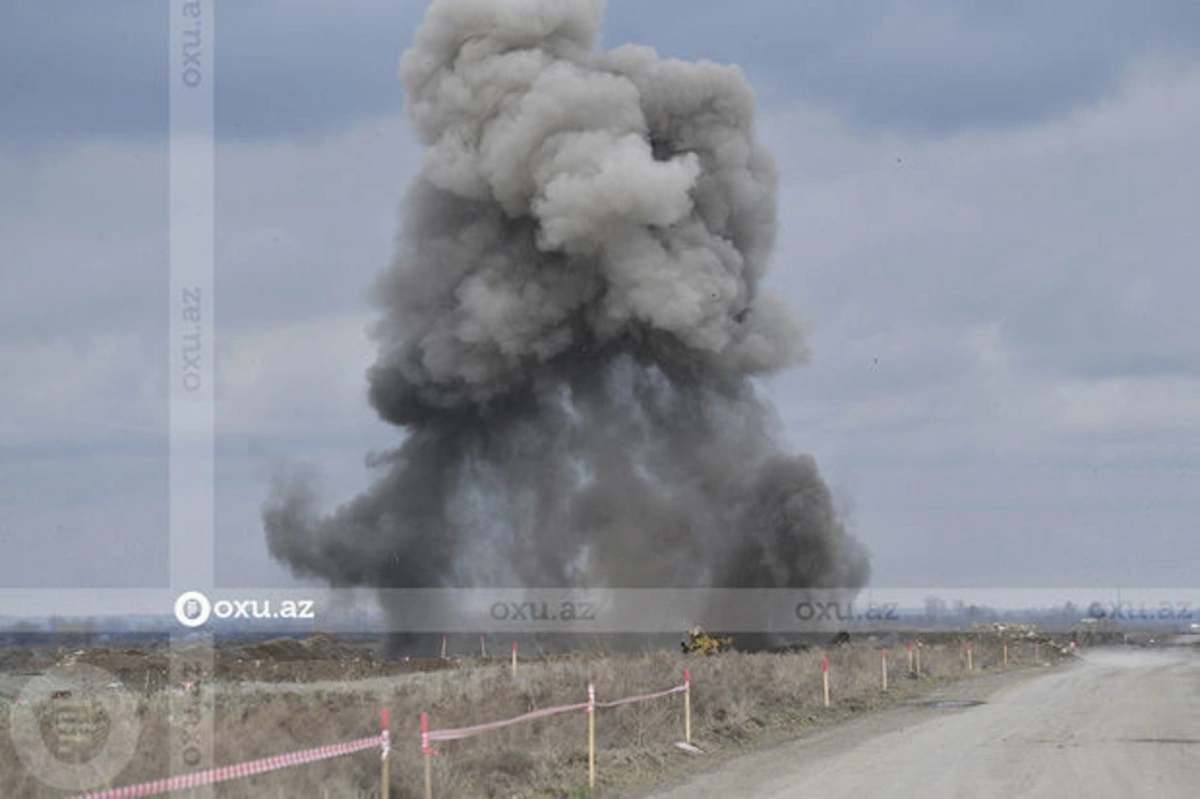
{"points": [[988, 217]]}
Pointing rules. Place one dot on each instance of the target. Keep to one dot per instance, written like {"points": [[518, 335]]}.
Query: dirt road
{"points": [[1119, 724]]}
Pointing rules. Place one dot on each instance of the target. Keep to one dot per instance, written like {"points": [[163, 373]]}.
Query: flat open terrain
{"points": [[1119, 724], [286, 695]]}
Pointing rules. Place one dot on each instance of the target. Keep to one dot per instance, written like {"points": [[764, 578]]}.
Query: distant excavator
{"points": [[700, 641]]}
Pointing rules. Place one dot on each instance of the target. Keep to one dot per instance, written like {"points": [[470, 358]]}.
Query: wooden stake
{"points": [[591, 711], [1006, 653], [428, 752], [825, 677], [385, 782], [884, 668], [687, 705]]}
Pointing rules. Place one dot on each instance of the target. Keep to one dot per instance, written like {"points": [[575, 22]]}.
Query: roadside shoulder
{"points": [[836, 735]]}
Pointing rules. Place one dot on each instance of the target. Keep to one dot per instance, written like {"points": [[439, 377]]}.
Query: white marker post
{"points": [[825, 678], [918, 649], [591, 711], [514, 660], [970, 660], [884, 669], [1006, 653], [687, 705], [386, 738]]}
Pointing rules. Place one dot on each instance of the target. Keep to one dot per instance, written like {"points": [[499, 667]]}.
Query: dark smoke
{"points": [[570, 331]]}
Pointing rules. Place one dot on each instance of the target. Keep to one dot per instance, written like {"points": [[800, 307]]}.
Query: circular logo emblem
{"points": [[192, 609], [75, 727]]}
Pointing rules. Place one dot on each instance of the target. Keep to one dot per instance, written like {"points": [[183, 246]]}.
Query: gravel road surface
{"points": [[1118, 724]]}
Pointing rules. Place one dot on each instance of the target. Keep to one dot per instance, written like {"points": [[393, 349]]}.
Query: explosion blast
{"points": [[570, 331]]}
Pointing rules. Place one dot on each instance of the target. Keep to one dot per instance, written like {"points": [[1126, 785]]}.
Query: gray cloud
{"points": [[78, 69], [1003, 378], [83, 518], [1073, 234], [924, 66], [304, 69]]}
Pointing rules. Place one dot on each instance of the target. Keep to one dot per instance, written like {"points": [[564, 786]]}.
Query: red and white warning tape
{"points": [[678, 689], [467, 732], [381, 741], [240, 770]]}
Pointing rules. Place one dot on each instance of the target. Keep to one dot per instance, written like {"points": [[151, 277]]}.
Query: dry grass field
{"points": [[739, 701]]}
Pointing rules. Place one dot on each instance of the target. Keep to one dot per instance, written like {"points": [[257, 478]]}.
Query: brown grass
{"points": [[738, 700]]}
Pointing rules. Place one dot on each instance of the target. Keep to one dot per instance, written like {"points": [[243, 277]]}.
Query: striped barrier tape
{"points": [[678, 689], [467, 732], [458, 733], [240, 770], [383, 741]]}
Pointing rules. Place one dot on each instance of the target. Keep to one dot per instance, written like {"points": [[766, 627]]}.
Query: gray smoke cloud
{"points": [[571, 328]]}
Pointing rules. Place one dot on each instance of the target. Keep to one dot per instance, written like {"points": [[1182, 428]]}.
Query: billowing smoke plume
{"points": [[570, 330]]}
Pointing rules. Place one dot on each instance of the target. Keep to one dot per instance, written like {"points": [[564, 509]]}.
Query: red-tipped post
{"points": [[385, 743]]}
